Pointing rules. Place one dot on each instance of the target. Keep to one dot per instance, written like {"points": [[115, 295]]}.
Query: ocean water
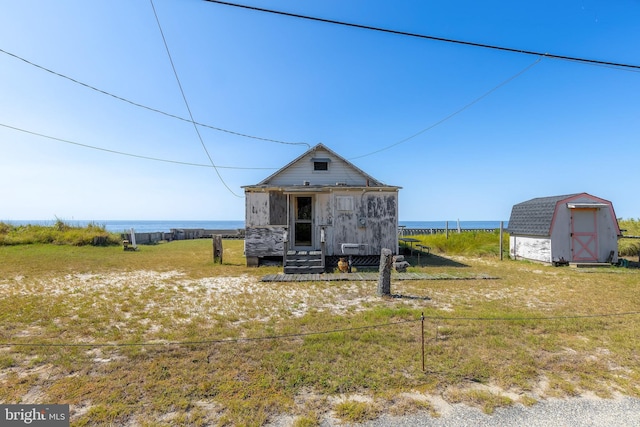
{"points": [[118, 226], [139, 226]]}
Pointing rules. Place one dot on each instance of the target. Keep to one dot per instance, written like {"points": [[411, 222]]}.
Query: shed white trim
{"points": [[587, 205]]}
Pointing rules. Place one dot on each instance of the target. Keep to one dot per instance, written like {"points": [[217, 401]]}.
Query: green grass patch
{"points": [[476, 243], [352, 411], [260, 349], [306, 421], [484, 399]]}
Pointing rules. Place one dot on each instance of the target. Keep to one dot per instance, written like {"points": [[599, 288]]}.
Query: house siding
{"points": [[264, 241], [257, 210], [372, 223], [338, 171], [277, 208]]}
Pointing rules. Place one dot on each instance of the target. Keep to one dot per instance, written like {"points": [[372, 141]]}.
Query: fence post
{"points": [[384, 280], [133, 239], [501, 249], [422, 322], [217, 248]]}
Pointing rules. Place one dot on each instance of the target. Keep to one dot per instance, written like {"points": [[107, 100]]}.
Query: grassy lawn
{"points": [[163, 336]]}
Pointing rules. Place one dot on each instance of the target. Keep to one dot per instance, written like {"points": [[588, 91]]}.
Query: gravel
{"points": [[577, 412]]}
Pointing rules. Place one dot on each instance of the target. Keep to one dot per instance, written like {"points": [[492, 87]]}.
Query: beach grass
{"points": [[163, 336], [474, 243], [59, 233], [629, 247]]}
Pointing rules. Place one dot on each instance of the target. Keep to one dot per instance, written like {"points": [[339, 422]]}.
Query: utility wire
{"points": [[455, 113], [186, 103], [205, 342], [66, 141], [147, 107], [510, 319], [627, 67], [306, 334]]}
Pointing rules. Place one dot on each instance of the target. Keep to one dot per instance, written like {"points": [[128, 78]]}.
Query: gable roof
{"points": [[535, 217], [319, 147]]}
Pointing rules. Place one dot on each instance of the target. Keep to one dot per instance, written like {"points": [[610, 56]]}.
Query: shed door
{"points": [[584, 235]]}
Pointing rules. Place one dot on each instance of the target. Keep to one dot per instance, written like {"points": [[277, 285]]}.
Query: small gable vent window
{"points": [[320, 164]]}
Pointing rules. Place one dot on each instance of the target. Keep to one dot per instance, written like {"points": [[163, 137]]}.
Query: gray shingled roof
{"points": [[534, 216]]}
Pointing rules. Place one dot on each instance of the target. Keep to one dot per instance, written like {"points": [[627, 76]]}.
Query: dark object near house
{"points": [[343, 265], [400, 264], [127, 246]]}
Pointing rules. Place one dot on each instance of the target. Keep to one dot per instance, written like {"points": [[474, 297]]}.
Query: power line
{"points": [[627, 67], [455, 113], [186, 103], [213, 341], [122, 153], [519, 319], [136, 104], [326, 332]]}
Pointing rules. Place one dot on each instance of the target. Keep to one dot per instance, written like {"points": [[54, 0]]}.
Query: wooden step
{"points": [[303, 269], [589, 264], [309, 261], [304, 262]]}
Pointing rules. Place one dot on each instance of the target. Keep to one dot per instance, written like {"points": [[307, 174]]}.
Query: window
{"points": [[320, 166], [303, 208], [344, 203], [321, 163]]}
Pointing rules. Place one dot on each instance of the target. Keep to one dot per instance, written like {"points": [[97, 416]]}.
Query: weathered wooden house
{"points": [[574, 228], [316, 209]]}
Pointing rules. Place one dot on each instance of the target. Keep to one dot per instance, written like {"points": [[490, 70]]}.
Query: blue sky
{"points": [[467, 132]]}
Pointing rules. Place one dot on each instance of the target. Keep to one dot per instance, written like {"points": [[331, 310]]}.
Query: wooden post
{"points": [[133, 239], [422, 322], [384, 280], [217, 248], [501, 228], [446, 229], [285, 245]]}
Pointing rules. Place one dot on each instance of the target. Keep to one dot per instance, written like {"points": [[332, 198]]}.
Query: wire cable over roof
{"points": [[155, 110], [186, 103], [455, 113], [122, 153], [626, 67]]}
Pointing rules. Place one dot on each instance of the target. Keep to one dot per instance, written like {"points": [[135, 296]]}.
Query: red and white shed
{"points": [[578, 228]]}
